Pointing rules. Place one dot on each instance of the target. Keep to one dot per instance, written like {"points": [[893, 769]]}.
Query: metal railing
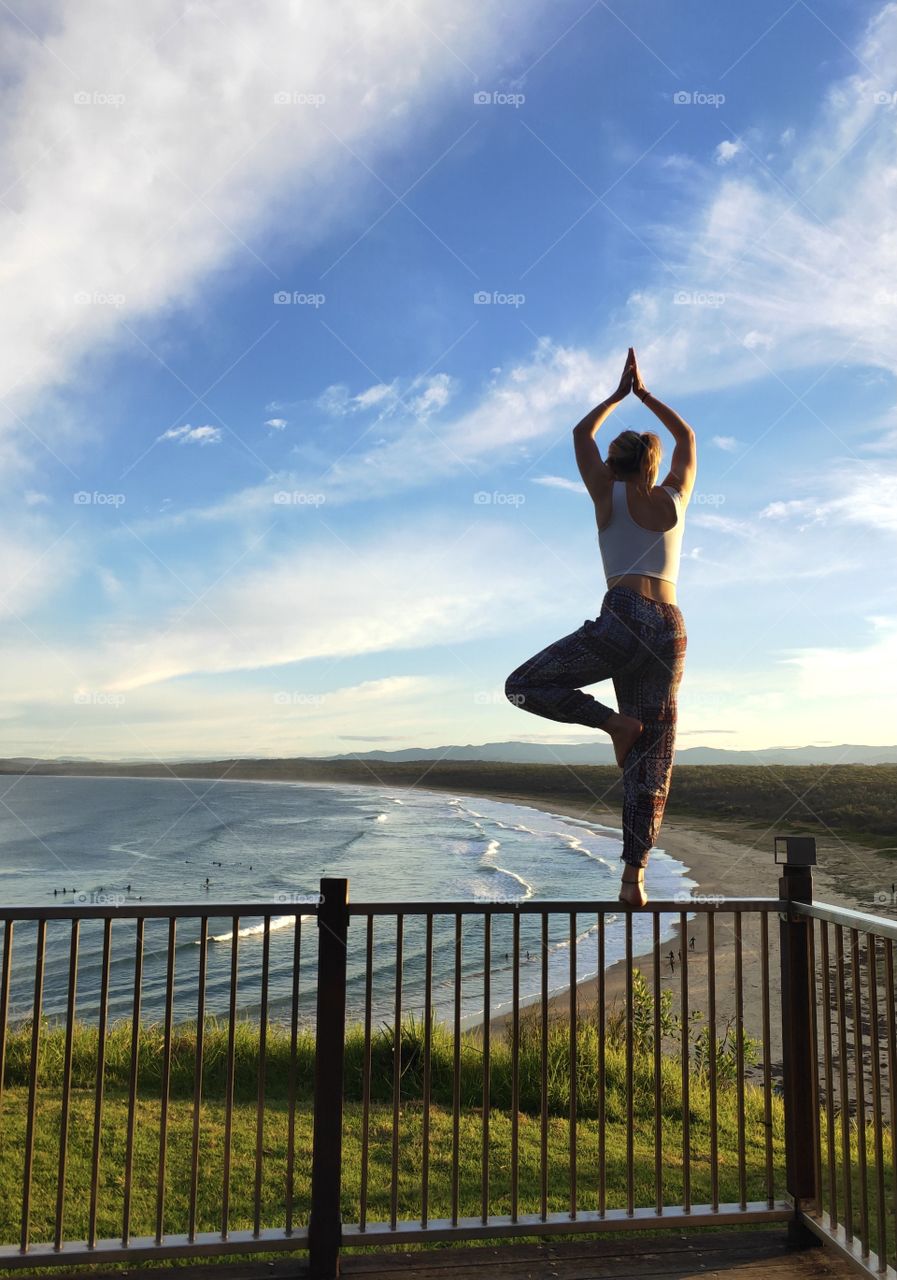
{"points": [[437, 1071]]}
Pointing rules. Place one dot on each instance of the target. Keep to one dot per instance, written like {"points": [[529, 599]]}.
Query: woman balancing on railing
{"points": [[639, 639]]}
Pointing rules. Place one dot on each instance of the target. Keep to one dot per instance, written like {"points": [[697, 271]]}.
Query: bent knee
{"points": [[515, 688]]}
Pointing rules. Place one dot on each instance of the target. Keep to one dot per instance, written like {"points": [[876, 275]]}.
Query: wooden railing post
{"points": [[325, 1222], [799, 1052]]}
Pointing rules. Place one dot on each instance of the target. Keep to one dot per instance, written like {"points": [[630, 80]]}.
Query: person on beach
{"points": [[639, 639]]}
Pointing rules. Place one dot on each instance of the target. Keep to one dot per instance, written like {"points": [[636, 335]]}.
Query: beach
{"points": [[734, 859]]}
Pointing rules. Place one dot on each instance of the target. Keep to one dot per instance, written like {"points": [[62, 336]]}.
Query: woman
{"points": [[639, 639]]}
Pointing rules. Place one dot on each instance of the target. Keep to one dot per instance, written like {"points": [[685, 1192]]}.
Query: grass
{"points": [[113, 1127]]}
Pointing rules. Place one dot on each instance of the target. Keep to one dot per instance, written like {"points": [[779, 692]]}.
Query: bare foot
{"points": [[632, 887], [624, 732]]}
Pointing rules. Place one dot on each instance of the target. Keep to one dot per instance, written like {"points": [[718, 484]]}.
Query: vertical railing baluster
{"points": [[197, 1075], [685, 1062], [860, 1090], [739, 1058], [428, 1051], [262, 1071], [487, 1000], [602, 1063], [515, 1069], [712, 1051], [875, 1085], [891, 1006], [456, 1075], [657, 1035], [98, 1095], [814, 1075], [573, 1091], [827, 1033], [767, 1056], [229, 1080], [133, 1074], [366, 1074], [4, 998], [396, 1077], [630, 1102], [543, 1136], [36, 1019], [67, 1084], [846, 1163], [293, 1074], [166, 1083]]}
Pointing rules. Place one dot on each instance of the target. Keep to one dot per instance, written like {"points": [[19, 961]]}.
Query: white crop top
{"points": [[627, 547]]}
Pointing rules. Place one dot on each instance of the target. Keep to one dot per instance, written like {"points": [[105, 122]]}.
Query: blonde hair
{"points": [[636, 456]]}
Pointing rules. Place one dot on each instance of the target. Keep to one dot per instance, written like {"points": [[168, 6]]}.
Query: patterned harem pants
{"points": [[638, 643]]}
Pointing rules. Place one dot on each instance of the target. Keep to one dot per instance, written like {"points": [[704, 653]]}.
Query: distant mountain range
{"points": [[600, 753], [587, 753]]}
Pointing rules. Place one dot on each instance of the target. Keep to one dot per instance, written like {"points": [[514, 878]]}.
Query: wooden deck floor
{"points": [[730, 1255]]}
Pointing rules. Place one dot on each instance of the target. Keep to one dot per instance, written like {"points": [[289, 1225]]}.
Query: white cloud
{"points": [[560, 482], [192, 435], [727, 443], [726, 151], [198, 157], [277, 424], [34, 499]]}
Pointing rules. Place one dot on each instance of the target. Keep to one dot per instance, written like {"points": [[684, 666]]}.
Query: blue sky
{"points": [[278, 483]]}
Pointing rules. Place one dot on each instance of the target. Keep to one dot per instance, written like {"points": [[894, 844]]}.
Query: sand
{"points": [[735, 860]]}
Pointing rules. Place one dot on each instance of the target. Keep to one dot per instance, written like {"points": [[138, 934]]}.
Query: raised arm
{"points": [[596, 475], [684, 466]]}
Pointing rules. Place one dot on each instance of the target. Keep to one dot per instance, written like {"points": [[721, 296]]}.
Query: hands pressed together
{"points": [[630, 381]]}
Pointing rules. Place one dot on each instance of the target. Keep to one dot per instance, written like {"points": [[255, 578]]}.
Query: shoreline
{"points": [[732, 859]]}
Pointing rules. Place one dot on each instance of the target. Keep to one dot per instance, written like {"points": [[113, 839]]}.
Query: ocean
{"points": [[70, 840]]}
